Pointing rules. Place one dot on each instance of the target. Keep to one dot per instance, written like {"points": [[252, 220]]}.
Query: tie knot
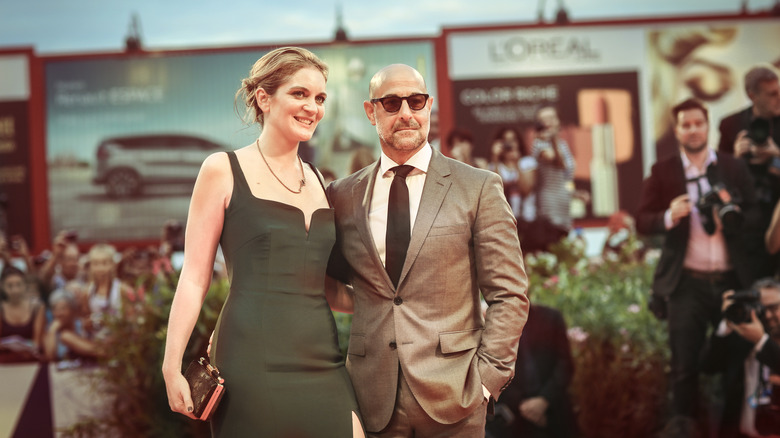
{"points": [[402, 171]]}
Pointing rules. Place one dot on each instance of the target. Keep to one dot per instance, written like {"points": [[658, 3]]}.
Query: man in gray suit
{"points": [[423, 359]]}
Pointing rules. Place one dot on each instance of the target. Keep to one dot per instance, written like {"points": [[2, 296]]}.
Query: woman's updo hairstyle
{"points": [[270, 72]]}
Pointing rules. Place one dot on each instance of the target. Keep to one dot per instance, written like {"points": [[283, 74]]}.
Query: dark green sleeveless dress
{"points": [[276, 342]]}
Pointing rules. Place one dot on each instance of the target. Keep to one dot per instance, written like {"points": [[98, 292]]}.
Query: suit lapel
{"points": [[361, 196], [435, 189]]}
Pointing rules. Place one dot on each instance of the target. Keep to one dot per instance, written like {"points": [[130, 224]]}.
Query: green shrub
{"points": [[619, 348]]}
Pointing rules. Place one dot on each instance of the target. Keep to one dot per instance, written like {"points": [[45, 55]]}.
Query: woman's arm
{"points": [[50, 340], [79, 344], [210, 197], [39, 326]]}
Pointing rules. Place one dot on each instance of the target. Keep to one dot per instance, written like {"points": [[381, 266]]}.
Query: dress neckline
{"points": [[245, 183]]}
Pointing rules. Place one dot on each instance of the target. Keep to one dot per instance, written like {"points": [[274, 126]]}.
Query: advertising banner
{"points": [[126, 135], [15, 194], [589, 75], [707, 61]]}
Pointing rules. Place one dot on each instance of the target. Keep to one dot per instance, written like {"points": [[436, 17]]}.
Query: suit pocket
{"points": [[357, 345], [448, 230], [461, 340]]}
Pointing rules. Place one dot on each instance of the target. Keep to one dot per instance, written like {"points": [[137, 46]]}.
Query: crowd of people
{"points": [[718, 209], [55, 305], [538, 179], [715, 282]]}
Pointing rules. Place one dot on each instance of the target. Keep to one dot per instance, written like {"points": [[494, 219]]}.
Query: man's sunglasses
{"points": [[392, 104]]}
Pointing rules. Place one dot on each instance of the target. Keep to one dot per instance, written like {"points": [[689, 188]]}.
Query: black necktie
{"points": [[398, 223]]}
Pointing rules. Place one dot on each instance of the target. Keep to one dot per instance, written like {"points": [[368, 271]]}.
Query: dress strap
{"points": [[321, 180], [239, 179]]}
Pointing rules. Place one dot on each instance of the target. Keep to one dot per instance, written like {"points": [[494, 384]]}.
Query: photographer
{"points": [[695, 198], [753, 134], [64, 265], [746, 349], [554, 183]]}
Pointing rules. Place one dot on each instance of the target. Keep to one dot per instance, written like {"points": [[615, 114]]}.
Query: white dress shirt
{"points": [[377, 215]]}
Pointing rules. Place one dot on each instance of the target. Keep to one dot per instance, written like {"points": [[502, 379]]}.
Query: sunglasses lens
{"points": [[417, 101], [391, 104]]}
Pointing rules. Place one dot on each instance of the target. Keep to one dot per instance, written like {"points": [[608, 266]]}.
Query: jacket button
{"points": [[397, 301], [393, 345]]}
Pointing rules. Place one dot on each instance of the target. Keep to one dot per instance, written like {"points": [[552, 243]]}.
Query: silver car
{"points": [[126, 164]]}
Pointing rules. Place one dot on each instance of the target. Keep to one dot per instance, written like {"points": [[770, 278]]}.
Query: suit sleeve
{"points": [[726, 143], [652, 205], [503, 283], [742, 184]]}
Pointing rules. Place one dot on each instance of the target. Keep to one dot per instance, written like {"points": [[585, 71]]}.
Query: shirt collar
{"points": [[419, 160], [712, 157]]}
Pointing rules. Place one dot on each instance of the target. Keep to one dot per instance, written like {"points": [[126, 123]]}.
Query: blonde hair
{"points": [[102, 250], [270, 72]]}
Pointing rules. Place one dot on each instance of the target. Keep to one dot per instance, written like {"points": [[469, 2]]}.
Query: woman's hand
{"points": [[179, 396]]}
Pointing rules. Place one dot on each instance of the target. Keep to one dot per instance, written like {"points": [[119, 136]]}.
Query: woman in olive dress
{"points": [[275, 342]]}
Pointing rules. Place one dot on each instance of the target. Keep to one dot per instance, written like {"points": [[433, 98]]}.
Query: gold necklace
{"points": [[300, 162]]}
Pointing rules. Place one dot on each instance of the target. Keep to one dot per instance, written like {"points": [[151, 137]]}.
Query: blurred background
{"points": [[107, 110], [88, 25]]}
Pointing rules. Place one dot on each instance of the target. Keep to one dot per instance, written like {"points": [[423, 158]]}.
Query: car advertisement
{"points": [[126, 135]]}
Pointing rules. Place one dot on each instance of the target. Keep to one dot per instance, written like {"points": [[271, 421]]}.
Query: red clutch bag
{"points": [[206, 386]]}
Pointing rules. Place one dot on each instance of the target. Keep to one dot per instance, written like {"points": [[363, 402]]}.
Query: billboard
{"points": [[627, 76], [15, 175], [158, 116], [707, 61], [592, 78]]}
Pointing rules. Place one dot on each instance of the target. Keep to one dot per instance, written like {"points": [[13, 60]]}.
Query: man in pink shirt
{"points": [[703, 253]]}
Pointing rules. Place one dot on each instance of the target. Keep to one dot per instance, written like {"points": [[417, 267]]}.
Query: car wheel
{"points": [[122, 183]]}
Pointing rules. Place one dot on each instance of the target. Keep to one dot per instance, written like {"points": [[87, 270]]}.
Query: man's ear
{"points": [[370, 112], [262, 99]]}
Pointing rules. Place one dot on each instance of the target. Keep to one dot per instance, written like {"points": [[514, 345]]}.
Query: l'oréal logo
{"points": [[519, 49]]}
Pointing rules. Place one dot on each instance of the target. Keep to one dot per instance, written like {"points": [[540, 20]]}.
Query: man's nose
{"points": [[406, 111]]}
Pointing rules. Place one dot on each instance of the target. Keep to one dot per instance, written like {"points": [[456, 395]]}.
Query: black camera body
{"points": [[721, 201], [758, 131], [744, 301]]}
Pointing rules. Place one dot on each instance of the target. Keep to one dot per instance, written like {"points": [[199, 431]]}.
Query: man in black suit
{"points": [[748, 354], [698, 261], [538, 397], [753, 134], [763, 90]]}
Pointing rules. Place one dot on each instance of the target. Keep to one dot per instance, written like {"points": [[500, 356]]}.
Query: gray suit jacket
{"points": [[463, 241]]}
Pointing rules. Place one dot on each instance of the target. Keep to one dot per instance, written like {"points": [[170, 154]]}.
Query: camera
{"points": [[758, 131], [721, 200], [743, 302]]}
